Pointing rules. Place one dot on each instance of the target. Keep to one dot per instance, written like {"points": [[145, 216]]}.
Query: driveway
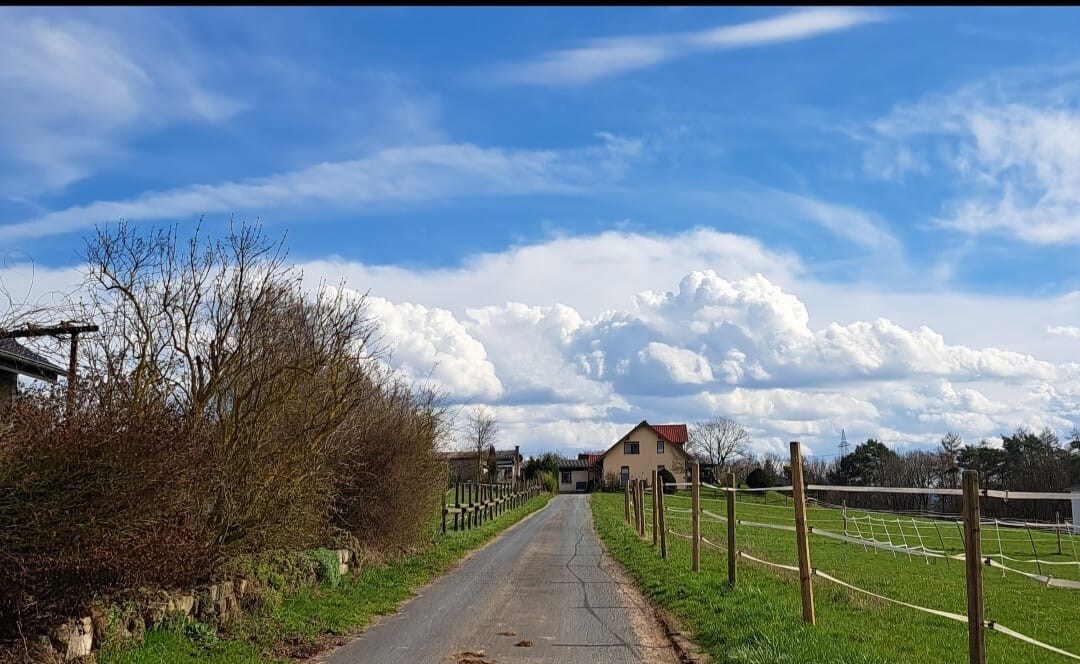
{"points": [[544, 582]]}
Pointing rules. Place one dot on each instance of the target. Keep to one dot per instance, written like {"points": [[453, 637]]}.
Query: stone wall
{"points": [[220, 603]]}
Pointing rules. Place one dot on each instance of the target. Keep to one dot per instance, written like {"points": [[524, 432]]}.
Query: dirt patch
{"points": [[507, 633], [525, 643], [661, 637]]}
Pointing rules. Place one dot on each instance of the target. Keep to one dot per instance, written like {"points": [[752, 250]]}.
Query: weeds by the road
{"points": [[760, 620], [315, 618]]}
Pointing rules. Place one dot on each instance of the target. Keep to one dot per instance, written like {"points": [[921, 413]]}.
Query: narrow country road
{"points": [[546, 581]]}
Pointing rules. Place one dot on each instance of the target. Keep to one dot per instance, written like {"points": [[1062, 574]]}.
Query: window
{"points": [[659, 468], [660, 446], [624, 474], [566, 477], [630, 447]]}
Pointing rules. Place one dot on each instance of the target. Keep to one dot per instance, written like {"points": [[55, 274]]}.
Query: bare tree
{"points": [[951, 444], [719, 440], [480, 433]]}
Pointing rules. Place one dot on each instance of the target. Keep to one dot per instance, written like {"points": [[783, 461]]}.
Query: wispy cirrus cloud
{"points": [[390, 176], [73, 90], [1011, 143], [611, 56]]}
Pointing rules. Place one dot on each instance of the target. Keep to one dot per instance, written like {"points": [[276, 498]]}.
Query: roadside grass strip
{"points": [[314, 618], [906, 559]]}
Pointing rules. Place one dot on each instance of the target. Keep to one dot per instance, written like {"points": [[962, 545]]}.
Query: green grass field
{"points": [[301, 622], [760, 620]]}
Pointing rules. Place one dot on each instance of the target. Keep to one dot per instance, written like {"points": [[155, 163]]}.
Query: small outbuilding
{"points": [[18, 360], [576, 475]]}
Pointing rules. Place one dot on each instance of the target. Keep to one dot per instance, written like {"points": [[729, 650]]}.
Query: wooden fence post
{"points": [[444, 511], [639, 503], [731, 551], [457, 504], [637, 508], [802, 542], [640, 497], [1057, 530], [973, 562], [637, 511], [663, 525], [655, 535], [843, 512], [626, 500], [695, 507]]}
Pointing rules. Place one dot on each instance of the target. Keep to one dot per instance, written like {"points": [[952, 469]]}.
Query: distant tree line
{"points": [[1025, 461]]}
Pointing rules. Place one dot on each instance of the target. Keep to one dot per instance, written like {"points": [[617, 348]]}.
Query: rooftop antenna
{"points": [[844, 445]]}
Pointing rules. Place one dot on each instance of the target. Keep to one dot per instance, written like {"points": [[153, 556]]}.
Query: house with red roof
{"points": [[645, 448]]}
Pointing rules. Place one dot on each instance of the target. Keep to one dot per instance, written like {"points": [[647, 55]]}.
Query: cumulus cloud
{"points": [[590, 273], [431, 346], [601, 58], [745, 348], [573, 340]]}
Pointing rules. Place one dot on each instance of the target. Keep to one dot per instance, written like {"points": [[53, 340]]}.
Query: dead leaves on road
{"points": [[468, 657], [478, 657]]}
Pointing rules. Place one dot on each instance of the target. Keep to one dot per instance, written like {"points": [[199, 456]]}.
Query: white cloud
{"points": [[745, 348], [611, 56], [1012, 143], [1070, 331], [571, 342], [73, 91], [431, 346], [388, 176], [589, 273]]}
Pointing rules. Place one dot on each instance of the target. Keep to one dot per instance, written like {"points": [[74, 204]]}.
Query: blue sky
{"points": [[508, 182]]}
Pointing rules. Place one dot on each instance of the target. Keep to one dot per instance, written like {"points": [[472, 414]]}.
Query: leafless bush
{"points": [[108, 498], [222, 411], [388, 451]]}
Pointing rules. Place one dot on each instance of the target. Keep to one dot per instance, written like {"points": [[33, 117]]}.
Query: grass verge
{"points": [[759, 620], [315, 618]]}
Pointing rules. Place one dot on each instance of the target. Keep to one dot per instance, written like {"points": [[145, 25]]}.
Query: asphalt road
{"points": [[546, 581]]}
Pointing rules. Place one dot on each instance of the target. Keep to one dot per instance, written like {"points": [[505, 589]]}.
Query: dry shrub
{"points": [[107, 498], [223, 412], [388, 466]]}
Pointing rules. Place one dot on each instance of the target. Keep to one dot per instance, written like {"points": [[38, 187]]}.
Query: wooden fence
{"points": [[474, 502], [972, 556]]}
